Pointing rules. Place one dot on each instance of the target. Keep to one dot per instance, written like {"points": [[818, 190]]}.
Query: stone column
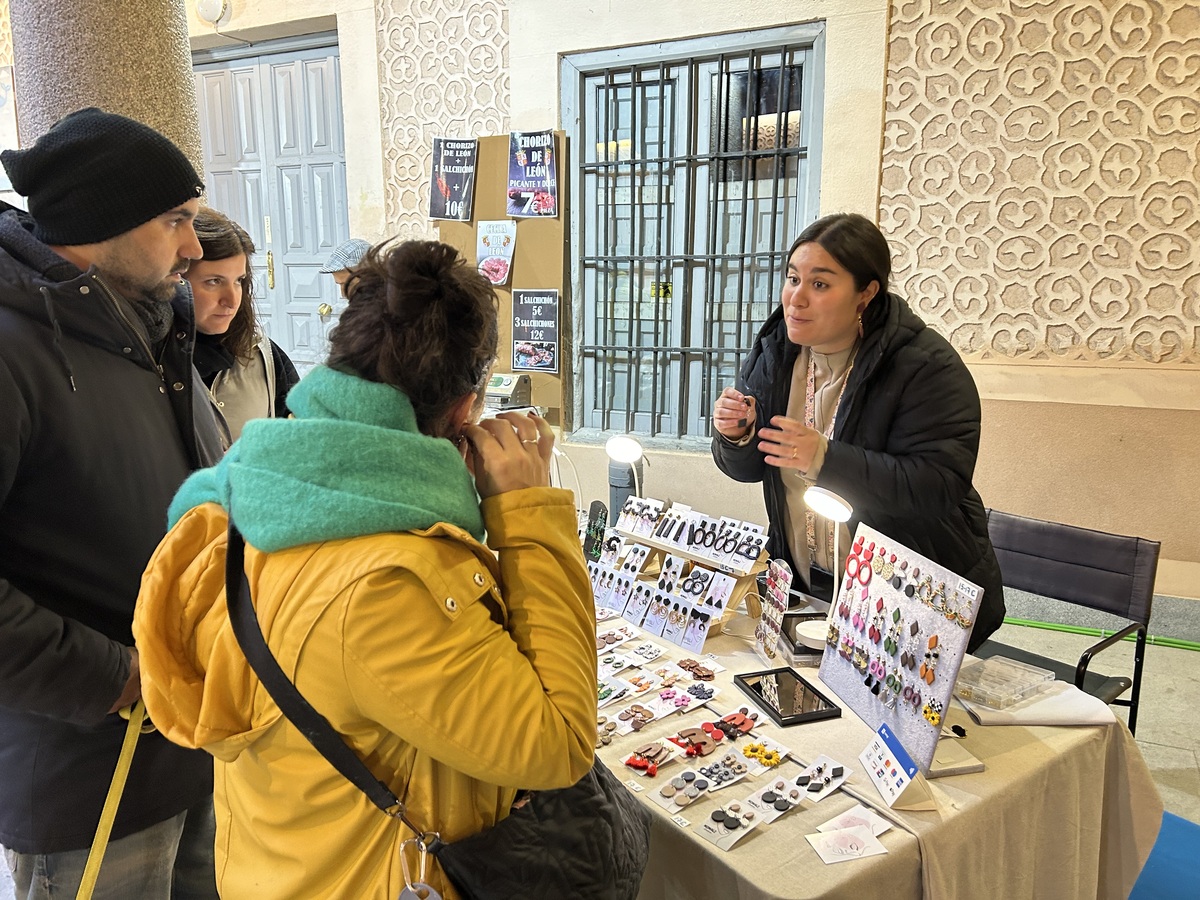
{"points": [[126, 56]]}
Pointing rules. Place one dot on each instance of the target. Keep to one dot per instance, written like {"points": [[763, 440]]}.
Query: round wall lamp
{"points": [[212, 11]]}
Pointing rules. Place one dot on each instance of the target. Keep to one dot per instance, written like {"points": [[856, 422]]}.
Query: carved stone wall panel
{"points": [[1040, 169], [443, 70], [6, 51]]}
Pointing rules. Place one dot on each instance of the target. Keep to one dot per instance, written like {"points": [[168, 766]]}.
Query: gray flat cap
{"points": [[347, 255]]}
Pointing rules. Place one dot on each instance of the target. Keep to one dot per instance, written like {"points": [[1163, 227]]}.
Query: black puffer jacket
{"points": [[94, 443], [903, 449]]}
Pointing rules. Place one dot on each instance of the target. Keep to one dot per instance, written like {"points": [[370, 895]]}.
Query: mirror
{"points": [[786, 697]]}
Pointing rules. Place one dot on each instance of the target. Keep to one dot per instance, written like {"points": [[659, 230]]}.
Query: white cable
{"points": [[575, 472]]}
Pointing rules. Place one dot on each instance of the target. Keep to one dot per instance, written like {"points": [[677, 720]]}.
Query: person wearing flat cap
{"points": [[343, 260], [101, 419]]}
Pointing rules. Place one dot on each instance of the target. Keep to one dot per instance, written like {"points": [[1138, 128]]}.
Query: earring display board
{"points": [[539, 260], [774, 605], [896, 634]]}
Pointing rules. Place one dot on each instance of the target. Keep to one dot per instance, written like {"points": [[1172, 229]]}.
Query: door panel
{"points": [[275, 163]]}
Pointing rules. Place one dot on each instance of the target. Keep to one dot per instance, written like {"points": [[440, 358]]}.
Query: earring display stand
{"points": [[896, 634], [744, 571]]}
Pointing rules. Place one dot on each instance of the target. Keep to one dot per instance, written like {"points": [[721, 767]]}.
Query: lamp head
{"points": [[828, 504], [623, 449]]}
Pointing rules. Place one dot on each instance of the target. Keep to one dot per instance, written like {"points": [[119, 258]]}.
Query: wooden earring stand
{"points": [[744, 588]]}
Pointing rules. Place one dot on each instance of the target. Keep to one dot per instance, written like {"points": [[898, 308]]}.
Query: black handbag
{"points": [[590, 840]]}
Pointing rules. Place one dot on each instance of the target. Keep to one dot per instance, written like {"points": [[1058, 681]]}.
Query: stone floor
{"points": [[1168, 729]]}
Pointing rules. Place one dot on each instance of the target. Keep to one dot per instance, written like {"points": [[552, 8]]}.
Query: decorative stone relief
{"points": [[443, 71], [1040, 168], [6, 51]]}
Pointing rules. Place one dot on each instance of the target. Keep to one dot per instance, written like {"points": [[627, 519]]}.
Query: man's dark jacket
{"points": [[903, 448], [94, 441]]}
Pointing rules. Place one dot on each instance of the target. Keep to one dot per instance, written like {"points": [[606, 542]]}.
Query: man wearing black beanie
{"points": [[101, 419]]}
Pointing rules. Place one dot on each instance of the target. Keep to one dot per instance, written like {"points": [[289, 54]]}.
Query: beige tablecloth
{"points": [[1059, 812]]}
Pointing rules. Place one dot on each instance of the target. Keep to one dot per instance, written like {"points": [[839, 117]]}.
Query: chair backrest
{"points": [[1113, 573]]}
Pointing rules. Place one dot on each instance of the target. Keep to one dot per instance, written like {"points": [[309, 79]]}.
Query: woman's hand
{"points": [[734, 414], [790, 444], [510, 452]]}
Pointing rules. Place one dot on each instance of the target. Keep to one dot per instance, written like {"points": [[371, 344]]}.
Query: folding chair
{"points": [[1112, 573]]}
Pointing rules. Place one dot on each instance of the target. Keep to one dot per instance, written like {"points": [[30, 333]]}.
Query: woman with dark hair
{"points": [[247, 374], [457, 671], [845, 387]]}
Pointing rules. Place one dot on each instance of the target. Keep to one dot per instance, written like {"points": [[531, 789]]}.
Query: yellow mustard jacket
{"points": [[458, 675]]}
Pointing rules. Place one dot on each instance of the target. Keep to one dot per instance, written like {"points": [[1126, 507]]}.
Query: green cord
{"points": [[1175, 643]]}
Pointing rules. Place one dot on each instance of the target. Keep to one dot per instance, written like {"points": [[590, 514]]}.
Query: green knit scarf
{"points": [[351, 463]]}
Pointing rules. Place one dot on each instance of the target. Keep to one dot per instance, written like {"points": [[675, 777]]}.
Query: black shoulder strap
{"points": [[314, 726]]}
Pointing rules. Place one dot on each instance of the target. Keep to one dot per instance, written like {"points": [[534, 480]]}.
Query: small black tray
{"points": [[809, 705]]}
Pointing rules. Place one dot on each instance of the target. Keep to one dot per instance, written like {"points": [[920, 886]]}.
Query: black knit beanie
{"points": [[96, 175]]}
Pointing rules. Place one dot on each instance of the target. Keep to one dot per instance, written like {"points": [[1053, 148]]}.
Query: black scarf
{"points": [[210, 357]]}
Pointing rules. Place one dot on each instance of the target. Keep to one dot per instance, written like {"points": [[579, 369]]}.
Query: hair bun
{"points": [[421, 272], [421, 319]]}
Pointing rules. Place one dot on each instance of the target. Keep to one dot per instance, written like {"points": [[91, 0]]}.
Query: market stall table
{"points": [[1059, 812]]}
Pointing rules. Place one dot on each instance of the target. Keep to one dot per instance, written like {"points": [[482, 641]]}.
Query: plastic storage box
{"points": [[1000, 682]]}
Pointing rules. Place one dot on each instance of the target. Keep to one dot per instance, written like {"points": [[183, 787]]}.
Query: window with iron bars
{"points": [[697, 165]]}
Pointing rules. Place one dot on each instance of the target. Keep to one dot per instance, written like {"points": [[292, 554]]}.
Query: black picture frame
{"points": [[751, 684]]}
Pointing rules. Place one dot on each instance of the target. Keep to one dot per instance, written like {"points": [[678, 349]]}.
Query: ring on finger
{"points": [[795, 452]]}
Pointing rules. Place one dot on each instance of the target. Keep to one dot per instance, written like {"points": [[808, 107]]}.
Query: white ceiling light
{"points": [[212, 11]]}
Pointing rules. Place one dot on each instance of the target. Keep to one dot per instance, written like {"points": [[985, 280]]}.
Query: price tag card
{"points": [[894, 773]]}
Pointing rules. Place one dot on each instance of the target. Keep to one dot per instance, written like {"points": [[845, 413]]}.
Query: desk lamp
{"points": [[625, 464], [835, 508]]}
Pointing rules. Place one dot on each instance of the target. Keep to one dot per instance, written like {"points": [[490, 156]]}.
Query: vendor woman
{"points": [[846, 388]]}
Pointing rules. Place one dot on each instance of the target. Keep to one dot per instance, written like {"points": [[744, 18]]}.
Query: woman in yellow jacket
{"points": [[458, 671]]}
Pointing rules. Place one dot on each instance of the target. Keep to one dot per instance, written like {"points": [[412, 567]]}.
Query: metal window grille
{"points": [[696, 170]]}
